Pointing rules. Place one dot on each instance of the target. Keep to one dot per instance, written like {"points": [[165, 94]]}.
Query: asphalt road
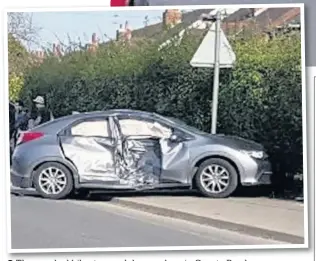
{"points": [[38, 223]]}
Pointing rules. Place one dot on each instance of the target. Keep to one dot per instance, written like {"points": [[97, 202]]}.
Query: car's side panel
{"points": [[27, 157], [175, 161], [94, 157], [216, 153], [113, 160], [58, 159], [245, 165]]}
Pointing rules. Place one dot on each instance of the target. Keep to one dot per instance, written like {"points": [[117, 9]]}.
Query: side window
{"points": [[139, 127], [91, 128]]}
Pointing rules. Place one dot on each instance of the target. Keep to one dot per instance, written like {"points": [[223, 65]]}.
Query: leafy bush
{"points": [[15, 86], [19, 62], [259, 99]]}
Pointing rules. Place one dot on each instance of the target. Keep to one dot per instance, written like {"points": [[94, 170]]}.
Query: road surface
{"points": [[38, 223]]}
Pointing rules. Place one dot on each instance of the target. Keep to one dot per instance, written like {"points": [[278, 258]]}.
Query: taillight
{"points": [[28, 136]]}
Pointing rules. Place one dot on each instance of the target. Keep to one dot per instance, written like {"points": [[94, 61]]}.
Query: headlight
{"points": [[254, 154]]}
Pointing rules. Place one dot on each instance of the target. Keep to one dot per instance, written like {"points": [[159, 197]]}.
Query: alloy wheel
{"points": [[52, 180], [215, 178]]}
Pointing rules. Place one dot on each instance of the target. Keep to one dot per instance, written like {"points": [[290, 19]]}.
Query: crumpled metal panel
{"points": [[141, 163], [135, 161], [93, 157]]}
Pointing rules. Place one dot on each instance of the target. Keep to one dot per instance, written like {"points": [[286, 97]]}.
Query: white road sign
{"points": [[204, 56]]}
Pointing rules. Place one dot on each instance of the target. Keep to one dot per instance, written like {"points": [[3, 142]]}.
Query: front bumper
{"points": [[262, 176]]}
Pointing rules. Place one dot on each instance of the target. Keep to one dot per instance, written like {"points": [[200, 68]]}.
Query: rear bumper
{"points": [[20, 181], [21, 168]]}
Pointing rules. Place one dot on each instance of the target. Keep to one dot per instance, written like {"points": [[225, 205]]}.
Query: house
{"points": [[263, 20], [235, 22]]}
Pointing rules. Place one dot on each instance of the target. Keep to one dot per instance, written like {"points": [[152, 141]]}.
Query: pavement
{"points": [[269, 218], [183, 216], [38, 223]]}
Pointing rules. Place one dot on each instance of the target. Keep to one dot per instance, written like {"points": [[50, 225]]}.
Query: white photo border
{"points": [[129, 249]]}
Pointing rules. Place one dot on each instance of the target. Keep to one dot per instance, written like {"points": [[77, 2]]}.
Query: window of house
{"points": [[91, 128]]}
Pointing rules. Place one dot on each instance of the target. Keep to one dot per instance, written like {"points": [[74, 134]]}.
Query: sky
{"points": [[58, 25]]}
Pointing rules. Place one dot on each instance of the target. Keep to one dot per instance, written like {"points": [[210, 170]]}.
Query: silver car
{"points": [[133, 150]]}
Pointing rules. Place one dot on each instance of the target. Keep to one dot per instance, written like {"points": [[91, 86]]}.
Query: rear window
{"points": [[91, 128]]}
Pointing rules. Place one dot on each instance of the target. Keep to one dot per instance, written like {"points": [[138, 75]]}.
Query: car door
{"points": [[90, 146], [140, 151], [163, 160]]}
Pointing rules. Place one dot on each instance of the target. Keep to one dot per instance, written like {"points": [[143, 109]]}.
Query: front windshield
{"points": [[183, 125]]}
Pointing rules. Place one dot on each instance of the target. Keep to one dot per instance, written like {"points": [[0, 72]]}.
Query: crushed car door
{"points": [[158, 160], [141, 153], [90, 146]]}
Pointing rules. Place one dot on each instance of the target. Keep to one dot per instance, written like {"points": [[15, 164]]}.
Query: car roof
{"points": [[105, 113], [60, 123]]}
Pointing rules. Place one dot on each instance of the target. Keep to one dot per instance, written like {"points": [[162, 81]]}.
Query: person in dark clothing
{"points": [[18, 122], [22, 120], [12, 112], [39, 114]]}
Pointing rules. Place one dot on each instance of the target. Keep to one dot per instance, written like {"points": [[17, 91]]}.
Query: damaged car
{"points": [[130, 150]]}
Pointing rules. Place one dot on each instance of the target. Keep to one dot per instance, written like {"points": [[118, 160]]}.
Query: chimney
{"points": [[55, 50], [172, 18], [94, 39], [125, 33], [119, 33], [94, 43], [58, 51], [40, 56], [128, 32]]}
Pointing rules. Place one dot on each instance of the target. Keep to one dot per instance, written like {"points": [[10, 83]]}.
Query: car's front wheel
{"points": [[53, 180], [216, 178]]}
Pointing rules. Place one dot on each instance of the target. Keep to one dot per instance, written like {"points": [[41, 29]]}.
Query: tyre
{"points": [[53, 180], [216, 178]]}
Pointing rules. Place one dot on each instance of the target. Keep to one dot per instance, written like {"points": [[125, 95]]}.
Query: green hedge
{"points": [[260, 98]]}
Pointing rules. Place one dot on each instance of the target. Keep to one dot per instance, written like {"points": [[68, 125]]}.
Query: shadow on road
{"points": [[251, 192]]}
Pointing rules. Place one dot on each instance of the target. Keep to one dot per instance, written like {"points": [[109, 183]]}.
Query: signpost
{"points": [[214, 52], [216, 70]]}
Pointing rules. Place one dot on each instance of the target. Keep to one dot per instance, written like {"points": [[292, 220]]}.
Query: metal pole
{"points": [[216, 71]]}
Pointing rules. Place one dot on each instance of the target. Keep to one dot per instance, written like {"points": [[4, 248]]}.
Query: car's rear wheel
{"points": [[216, 178], [53, 180]]}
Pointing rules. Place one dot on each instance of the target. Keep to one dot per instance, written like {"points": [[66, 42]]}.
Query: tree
{"points": [[21, 34], [22, 28]]}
